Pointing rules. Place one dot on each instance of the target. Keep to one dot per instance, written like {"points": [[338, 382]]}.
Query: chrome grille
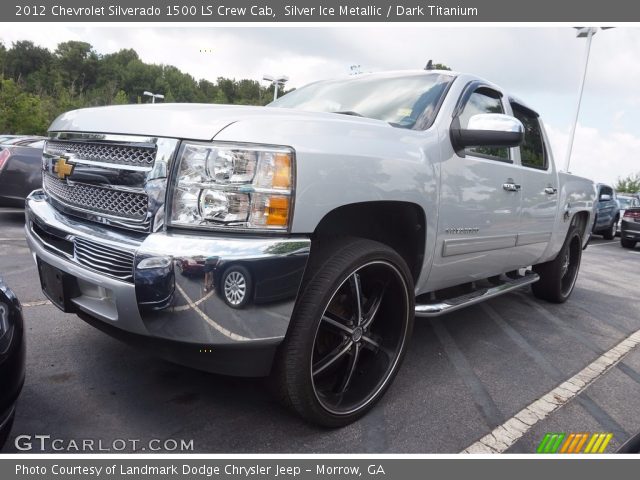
{"points": [[106, 201], [105, 152], [104, 259]]}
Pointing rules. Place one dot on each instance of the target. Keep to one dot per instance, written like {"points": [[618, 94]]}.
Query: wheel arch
{"points": [[400, 225], [581, 221]]}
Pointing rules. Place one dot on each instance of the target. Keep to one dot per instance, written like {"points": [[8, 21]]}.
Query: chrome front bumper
{"points": [[176, 297]]}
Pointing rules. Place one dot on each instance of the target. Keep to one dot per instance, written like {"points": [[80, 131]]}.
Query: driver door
{"points": [[479, 204]]}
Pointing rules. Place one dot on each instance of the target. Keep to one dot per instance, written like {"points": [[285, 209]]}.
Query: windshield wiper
{"points": [[350, 112]]}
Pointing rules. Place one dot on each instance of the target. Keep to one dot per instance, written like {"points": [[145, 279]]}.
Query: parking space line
{"points": [[603, 243], [507, 434], [602, 417], [8, 239], [36, 303], [209, 320]]}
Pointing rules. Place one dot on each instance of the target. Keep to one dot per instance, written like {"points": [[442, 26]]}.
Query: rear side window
{"points": [[532, 152], [484, 100]]}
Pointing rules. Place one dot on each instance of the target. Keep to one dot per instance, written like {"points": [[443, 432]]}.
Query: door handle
{"points": [[550, 190], [511, 187]]}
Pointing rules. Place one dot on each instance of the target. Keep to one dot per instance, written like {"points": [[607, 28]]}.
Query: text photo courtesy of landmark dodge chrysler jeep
{"points": [[300, 240]]}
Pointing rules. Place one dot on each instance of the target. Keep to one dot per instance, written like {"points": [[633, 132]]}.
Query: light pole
{"points": [[588, 33], [276, 81], [153, 96]]}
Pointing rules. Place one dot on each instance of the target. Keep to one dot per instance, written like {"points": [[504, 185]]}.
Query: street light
{"points": [[588, 33], [276, 81], [153, 96]]}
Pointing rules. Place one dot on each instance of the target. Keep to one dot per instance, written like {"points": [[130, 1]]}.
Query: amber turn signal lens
{"points": [[282, 173], [278, 211]]}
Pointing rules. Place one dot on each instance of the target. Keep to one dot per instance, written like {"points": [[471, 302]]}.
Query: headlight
{"points": [[222, 185], [4, 319]]}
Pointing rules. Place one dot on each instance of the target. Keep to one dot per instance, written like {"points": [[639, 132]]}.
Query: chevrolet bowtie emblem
{"points": [[62, 168]]}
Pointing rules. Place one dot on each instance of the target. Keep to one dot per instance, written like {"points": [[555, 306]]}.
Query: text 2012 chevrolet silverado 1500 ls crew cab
{"points": [[301, 239]]}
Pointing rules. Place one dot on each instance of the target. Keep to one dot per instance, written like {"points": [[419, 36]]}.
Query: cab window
{"points": [[532, 152]]}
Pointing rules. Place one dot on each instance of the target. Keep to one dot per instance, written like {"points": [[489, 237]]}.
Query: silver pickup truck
{"points": [[300, 240]]}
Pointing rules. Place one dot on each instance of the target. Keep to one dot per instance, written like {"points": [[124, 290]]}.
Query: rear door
{"points": [[539, 189], [479, 203]]}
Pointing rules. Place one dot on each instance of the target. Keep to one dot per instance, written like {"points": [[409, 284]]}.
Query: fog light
{"points": [[4, 319], [154, 262]]}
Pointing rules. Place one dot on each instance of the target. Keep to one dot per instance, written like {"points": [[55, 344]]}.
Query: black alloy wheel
{"points": [[558, 276], [348, 334]]}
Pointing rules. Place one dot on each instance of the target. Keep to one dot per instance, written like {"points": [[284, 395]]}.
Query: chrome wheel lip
{"points": [[396, 360], [235, 287]]}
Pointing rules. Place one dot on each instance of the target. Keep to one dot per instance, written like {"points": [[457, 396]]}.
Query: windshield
{"points": [[399, 100], [626, 202]]}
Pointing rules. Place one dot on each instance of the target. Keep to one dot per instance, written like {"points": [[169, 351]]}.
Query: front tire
{"points": [[348, 333], [558, 277], [6, 430], [626, 243]]}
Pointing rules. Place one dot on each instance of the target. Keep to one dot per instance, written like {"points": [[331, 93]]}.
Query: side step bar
{"points": [[456, 303]]}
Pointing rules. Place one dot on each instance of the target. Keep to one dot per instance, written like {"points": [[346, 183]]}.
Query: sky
{"points": [[541, 65]]}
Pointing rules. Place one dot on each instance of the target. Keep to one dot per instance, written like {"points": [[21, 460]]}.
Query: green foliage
{"points": [[440, 66], [37, 85], [628, 184]]}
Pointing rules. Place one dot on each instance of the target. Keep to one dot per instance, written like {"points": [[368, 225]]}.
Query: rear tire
{"points": [[626, 243], [348, 333], [558, 277], [610, 233]]}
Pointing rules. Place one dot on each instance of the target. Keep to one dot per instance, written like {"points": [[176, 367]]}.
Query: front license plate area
{"points": [[57, 286]]}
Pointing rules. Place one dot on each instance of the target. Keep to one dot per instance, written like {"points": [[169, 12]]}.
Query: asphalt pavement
{"points": [[465, 373]]}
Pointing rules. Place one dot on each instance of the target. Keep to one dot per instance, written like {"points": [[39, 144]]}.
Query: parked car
{"points": [[630, 227], [20, 171], [625, 201], [607, 212], [416, 194], [4, 138], [12, 358], [20, 140]]}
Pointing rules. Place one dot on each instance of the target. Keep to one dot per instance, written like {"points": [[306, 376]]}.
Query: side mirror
{"points": [[487, 130], [605, 198]]}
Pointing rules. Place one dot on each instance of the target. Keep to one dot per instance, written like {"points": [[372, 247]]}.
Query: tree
{"points": [[3, 59], [78, 65], [440, 66], [121, 98], [628, 184], [37, 85]]}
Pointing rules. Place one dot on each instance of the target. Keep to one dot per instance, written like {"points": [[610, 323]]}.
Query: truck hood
{"points": [[189, 121]]}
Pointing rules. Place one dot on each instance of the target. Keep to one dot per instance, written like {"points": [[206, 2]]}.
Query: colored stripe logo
{"points": [[574, 443]]}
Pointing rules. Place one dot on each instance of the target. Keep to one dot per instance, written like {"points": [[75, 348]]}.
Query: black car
{"points": [[20, 170], [12, 358], [630, 227]]}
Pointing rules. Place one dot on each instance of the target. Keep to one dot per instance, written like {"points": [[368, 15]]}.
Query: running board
{"points": [[456, 303]]}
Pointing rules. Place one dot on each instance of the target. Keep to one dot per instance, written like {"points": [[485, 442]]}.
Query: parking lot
{"points": [[464, 374]]}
